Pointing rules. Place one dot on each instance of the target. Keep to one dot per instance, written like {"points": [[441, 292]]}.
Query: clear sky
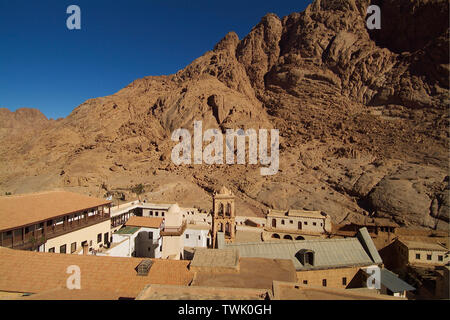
{"points": [[45, 65]]}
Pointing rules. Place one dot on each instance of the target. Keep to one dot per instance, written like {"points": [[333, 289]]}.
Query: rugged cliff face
{"points": [[362, 118]]}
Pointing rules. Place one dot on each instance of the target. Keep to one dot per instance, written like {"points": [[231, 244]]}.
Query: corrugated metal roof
{"points": [[328, 253], [368, 245], [391, 281]]}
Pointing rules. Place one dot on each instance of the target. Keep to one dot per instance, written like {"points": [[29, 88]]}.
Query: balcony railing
{"points": [[34, 239]]}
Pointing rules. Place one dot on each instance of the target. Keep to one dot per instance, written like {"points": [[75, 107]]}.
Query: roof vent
{"points": [[144, 267]]}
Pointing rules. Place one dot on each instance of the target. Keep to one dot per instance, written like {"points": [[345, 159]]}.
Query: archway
{"points": [[228, 212]]}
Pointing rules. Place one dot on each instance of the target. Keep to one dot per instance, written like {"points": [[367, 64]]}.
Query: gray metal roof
{"points": [[328, 253], [369, 246], [391, 281]]}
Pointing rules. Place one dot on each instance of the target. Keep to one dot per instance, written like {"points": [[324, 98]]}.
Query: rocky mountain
{"points": [[362, 116]]}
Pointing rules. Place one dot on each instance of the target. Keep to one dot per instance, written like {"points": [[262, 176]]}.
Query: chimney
{"points": [[85, 248]]}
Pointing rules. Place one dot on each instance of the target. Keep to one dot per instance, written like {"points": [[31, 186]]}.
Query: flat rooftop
{"points": [[25, 209], [213, 258], [127, 230], [168, 292], [256, 273], [418, 245]]}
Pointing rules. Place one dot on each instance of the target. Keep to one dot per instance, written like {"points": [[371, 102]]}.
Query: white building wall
{"points": [[195, 238]]}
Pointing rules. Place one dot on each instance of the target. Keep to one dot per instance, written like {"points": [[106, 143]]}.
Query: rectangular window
{"points": [[162, 214], [344, 281], [156, 214], [150, 235], [305, 281], [62, 249], [73, 247], [187, 236], [51, 250], [305, 223], [440, 258], [314, 224], [99, 238], [282, 221], [428, 256], [324, 282], [199, 237], [418, 256], [291, 222]]}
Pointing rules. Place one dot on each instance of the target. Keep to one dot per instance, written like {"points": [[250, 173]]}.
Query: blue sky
{"points": [[44, 65]]}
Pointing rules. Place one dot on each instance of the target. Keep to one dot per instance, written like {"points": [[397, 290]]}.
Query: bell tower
{"points": [[224, 215]]}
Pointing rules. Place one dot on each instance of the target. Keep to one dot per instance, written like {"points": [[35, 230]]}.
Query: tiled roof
{"points": [[146, 222], [25, 209], [37, 272]]}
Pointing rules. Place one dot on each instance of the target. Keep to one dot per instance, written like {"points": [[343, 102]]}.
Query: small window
{"points": [[162, 214], [62, 249], [324, 282], [305, 223], [321, 224], [418, 256], [52, 250], [428, 256], [199, 237], [291, 222], [156, 214], [344, 281], [314, 224], [305, 281], [150, 235], [151, 213], [282, 221], [90, 243], [73, 247], [187, 236], [440, 258], [99, 238]]}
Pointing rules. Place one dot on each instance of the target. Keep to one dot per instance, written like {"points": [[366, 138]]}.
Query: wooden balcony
{"points": [[174, 232], [32, 240]]}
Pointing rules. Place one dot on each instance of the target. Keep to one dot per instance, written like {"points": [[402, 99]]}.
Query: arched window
{"points": [[306, 257], [276, 236], [228, 209], [221, 209], [287, 237], [299, 238], [299, 225], [274, 223]]}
